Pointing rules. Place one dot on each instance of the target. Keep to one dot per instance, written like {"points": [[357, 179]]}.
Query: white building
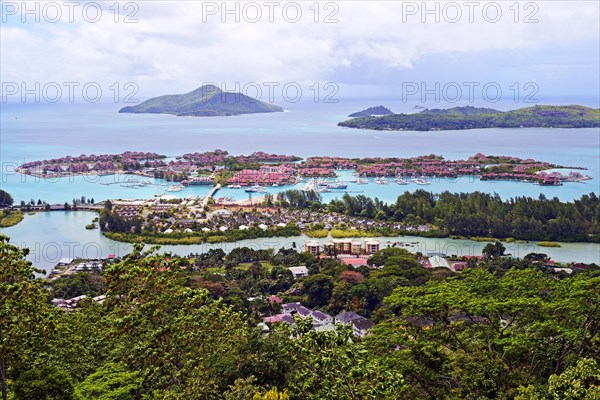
{"points": [[371, 246], [299, 272], [361, 326], [437, 261], [312, 247]]}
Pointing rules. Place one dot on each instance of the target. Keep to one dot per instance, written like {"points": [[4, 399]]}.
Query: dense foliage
{"points": [[186, 328], [458, 119], [482, 214], [484, 336]]}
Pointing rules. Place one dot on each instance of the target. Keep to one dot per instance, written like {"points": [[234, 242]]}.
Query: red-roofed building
{"points": [[274, 319], [355, 262], [459, 266], [275, 299]]}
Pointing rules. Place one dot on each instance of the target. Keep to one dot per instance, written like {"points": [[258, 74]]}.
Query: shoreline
{"points": [[263, 169], [26, 234], [196, 237]]}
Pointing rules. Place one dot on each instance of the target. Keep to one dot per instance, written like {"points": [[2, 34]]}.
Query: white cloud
{"points": [[172, 49]]}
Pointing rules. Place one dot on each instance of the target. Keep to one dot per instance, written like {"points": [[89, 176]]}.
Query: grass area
{"points": [[10, 218], [345, 233], [133, 238], [484, 239], [318, 233], [198, 237], [216, 239], [215, 270], [548, 244], [245, 266], [351, 233]]}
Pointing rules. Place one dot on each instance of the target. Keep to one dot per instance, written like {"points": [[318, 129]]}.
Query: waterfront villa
{"points": [[371, 246], [343, 246]]}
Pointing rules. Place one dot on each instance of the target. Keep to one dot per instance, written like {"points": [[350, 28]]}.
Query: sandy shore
{"points": [[246, 202]]}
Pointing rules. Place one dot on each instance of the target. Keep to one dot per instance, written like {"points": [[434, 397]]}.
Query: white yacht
{"points": [[337, 184], [256, 189], [175, 188], [422, 181]]}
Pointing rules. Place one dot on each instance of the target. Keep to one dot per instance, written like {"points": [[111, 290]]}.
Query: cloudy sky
{"points": [[366, 47]]}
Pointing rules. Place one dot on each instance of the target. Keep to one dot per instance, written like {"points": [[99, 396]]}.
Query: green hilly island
{"points": [[371, 111], [206, 101], [468, 117]]}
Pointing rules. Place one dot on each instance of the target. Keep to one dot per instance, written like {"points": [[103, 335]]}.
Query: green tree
{"points": [[318, 288], [488, 335], [493, 250], [331, 365], [177, 337], [112, 381], [579, 382], [44, 383], [25, 316], [6, 199]]}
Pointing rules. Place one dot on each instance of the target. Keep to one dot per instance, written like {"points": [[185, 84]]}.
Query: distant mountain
{"points": [[206, 101], [371, 111], [478, 118]]}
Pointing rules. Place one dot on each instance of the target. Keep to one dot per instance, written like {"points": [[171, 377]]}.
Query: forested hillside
{"points": [[184, 328]]}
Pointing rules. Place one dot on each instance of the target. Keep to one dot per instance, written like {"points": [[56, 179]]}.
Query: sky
{"points": [[541, 49]]}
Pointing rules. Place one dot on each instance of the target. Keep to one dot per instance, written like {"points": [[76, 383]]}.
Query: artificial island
{"points": [[289, 201]]}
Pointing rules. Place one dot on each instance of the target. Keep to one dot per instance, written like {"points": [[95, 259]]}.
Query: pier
{"points": [[210, 194]]}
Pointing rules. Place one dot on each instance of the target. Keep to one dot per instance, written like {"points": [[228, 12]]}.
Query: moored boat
{"points": [[255, 189], [337, 184], [175, 188]]}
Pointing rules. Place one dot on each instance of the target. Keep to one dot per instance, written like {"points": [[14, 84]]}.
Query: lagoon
{"points": [[51, 236]]}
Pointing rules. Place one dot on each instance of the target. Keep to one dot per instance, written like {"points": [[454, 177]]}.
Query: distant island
{"points": [[469, 117], [372, 111], [206, 101]]}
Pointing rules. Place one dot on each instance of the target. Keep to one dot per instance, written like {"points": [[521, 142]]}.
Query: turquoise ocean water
{"points": [[42, 131]]}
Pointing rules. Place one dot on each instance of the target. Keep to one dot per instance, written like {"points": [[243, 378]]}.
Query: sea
{"points": [[38, 131]]}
